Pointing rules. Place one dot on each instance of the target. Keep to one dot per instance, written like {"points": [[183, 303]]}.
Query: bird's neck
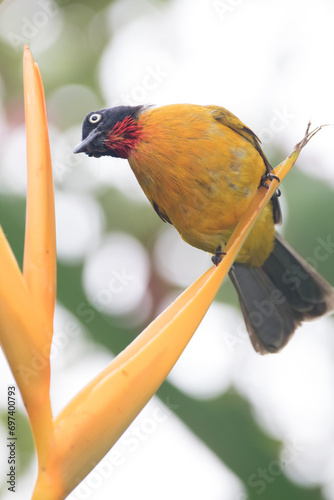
{"points": [[124, 137]]}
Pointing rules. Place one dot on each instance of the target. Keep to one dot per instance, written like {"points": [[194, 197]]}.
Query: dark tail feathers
{"points": [[278, 296]]}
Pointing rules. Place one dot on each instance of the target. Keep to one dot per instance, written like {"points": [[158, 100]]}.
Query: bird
{"points": [[200, 167]]}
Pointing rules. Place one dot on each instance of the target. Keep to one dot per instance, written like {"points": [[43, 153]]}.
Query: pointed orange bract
{"points": [[39, 270], [39, 267], [26, 303]]}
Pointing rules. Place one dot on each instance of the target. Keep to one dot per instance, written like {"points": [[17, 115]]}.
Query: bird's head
{"points": [[110, 132]]}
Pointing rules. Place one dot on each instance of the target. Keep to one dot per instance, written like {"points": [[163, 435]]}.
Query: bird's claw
{"points": [[268, 176], [217, 257]]}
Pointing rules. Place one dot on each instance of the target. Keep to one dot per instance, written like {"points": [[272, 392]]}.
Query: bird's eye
{"points": [[95, 118]]}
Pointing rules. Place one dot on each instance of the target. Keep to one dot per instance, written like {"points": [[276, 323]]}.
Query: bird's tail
{"points": [[278, 296]]}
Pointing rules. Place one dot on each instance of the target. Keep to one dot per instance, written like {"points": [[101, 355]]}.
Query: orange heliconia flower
{"points": [[69, 445]]}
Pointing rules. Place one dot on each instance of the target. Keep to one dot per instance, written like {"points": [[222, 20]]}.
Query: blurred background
{"points": [[227, 424]]}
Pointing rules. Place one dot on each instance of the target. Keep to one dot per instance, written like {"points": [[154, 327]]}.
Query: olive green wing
{"points": [[228, 119]]}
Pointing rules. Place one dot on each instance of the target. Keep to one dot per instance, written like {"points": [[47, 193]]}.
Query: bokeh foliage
{"points": [[225, 424]]}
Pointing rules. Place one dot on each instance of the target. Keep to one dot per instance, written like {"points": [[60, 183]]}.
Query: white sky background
{"points": [[270, 63]]}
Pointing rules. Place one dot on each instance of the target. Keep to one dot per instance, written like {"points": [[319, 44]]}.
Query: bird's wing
{"points": [[228, 119], [163, 216]]}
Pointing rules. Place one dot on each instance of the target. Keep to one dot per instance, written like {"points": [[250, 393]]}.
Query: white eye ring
{"points": [[95, 118]]}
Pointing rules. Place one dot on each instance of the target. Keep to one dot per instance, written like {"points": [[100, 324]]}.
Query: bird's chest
{"points": [[203, 186]]}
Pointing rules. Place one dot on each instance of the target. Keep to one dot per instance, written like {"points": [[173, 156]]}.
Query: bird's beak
{"points": [[83, 146]]}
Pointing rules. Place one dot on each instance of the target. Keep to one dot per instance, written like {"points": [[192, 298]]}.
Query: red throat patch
{"points": [[124, 137]]}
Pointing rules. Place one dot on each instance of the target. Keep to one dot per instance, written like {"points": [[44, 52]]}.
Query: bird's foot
{"points": [[217, 257], [268, 176]]}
